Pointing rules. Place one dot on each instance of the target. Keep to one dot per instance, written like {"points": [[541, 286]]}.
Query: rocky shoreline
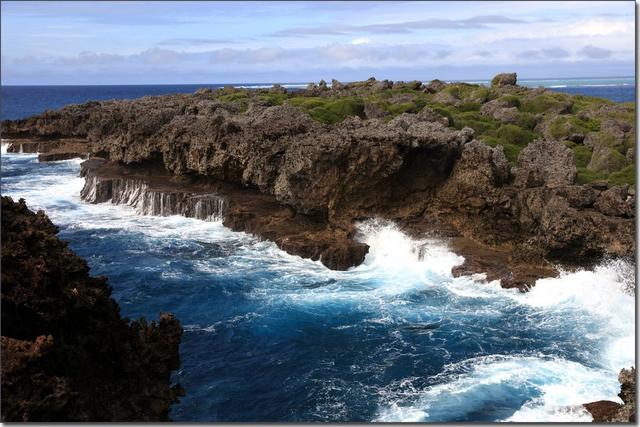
{"points": [[300, 168], [67, 355], [607, 411]]}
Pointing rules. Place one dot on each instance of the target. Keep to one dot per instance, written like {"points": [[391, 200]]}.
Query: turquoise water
{"points": [[274, 337]]}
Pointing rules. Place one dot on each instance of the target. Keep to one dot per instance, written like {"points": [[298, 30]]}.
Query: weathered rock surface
{"points": [[607, 411], [67, 355], [545, 163]]}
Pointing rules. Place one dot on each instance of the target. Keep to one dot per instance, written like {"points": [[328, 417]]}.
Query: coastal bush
{"points": [[626, 175], [330, 110], [514, 134], [582, 155], [445, 111], [526, 120], [544, 103], [582, 102], [234, 96], [474, 120], [274, 98], [511, 100], [511, 151], [585, 176], [564, 127]]}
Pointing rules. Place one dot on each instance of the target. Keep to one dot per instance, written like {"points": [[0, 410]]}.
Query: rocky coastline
{"points": [[515, 179], [67, 355]]}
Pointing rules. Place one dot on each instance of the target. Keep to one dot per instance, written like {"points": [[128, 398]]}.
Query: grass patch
{"points": [[626, 175], [544, 103], [474, 120], [234, 97], [585, 176], [563, 127], [511, 151], [513, 134], [274, 98], [330, 110]]}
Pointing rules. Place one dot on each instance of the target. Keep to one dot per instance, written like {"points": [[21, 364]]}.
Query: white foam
{"points": [[563, 387]]}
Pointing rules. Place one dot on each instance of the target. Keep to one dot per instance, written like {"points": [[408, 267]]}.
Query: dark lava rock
{"points": [[67, 355], [607, 411]]}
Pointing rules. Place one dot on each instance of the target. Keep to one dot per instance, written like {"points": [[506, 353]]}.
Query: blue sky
{"points": [[231, 42]]}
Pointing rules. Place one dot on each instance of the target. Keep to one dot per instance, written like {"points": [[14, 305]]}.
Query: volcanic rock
{"points": [[67, 355]]}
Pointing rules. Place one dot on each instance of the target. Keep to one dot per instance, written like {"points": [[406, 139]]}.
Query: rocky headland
{"points": [[67, 355], [516, 179]]}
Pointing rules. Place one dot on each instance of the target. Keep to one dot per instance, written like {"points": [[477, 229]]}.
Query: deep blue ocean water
{"points": [[274, 337]]}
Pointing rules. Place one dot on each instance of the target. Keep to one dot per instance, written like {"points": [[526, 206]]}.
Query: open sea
{"points": [[274, 337]]}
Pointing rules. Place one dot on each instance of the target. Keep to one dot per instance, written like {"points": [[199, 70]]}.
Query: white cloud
{"points": [[360, 40]]}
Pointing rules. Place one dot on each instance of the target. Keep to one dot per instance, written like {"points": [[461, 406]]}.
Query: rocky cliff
{"points": [[67, 355], [526, 173]]}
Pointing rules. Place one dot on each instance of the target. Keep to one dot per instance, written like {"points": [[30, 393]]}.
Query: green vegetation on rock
{"points": [[598, 131]]}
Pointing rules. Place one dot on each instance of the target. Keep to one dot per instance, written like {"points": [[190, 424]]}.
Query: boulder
{"points": [[616, 201], [435, 86], [545, 163], [504, 79]]}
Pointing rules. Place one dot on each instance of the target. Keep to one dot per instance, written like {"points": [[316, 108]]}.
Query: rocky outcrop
{"points": [[424, 169], [607, 411], [67, 355], [504, 79], [545, 163]]}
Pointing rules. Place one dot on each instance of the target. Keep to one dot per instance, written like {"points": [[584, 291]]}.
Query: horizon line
{"points": [[302, 83]]}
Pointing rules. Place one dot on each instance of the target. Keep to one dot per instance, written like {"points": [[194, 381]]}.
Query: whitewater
{"points": [[274, 337]]}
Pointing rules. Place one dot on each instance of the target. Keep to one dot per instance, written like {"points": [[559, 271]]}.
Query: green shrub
{"points": [[543, 103], [515, 135], [626, 175], [445, 111], [511, 151], [585, 176], [563, 127], [582, 154], [470, 106], [234, 97], [511, 100], [274, 98], [330, 110], [474, 120], [526, 120]]}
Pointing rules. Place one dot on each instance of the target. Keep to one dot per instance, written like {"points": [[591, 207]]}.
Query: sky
{"points": [[101, 42]]}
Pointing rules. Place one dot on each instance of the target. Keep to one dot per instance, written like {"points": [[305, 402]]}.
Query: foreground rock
{"points": [[607, 411], [318, 160], [67, 355]]}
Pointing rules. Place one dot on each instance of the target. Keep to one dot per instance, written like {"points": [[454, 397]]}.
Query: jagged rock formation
{"points": [[67, 355], [505, 166], [607, 411]]}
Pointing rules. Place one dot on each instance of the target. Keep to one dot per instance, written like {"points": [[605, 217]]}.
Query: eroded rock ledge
{"points": [[67, 355], [307, 172], [608, 411]]}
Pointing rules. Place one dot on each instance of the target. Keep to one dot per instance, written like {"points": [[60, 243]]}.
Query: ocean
{"points": [[17, 102], [275, 337]]}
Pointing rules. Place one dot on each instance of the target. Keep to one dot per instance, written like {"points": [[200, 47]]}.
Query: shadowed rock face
{"points": [[413, 168], [67, 355]]}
